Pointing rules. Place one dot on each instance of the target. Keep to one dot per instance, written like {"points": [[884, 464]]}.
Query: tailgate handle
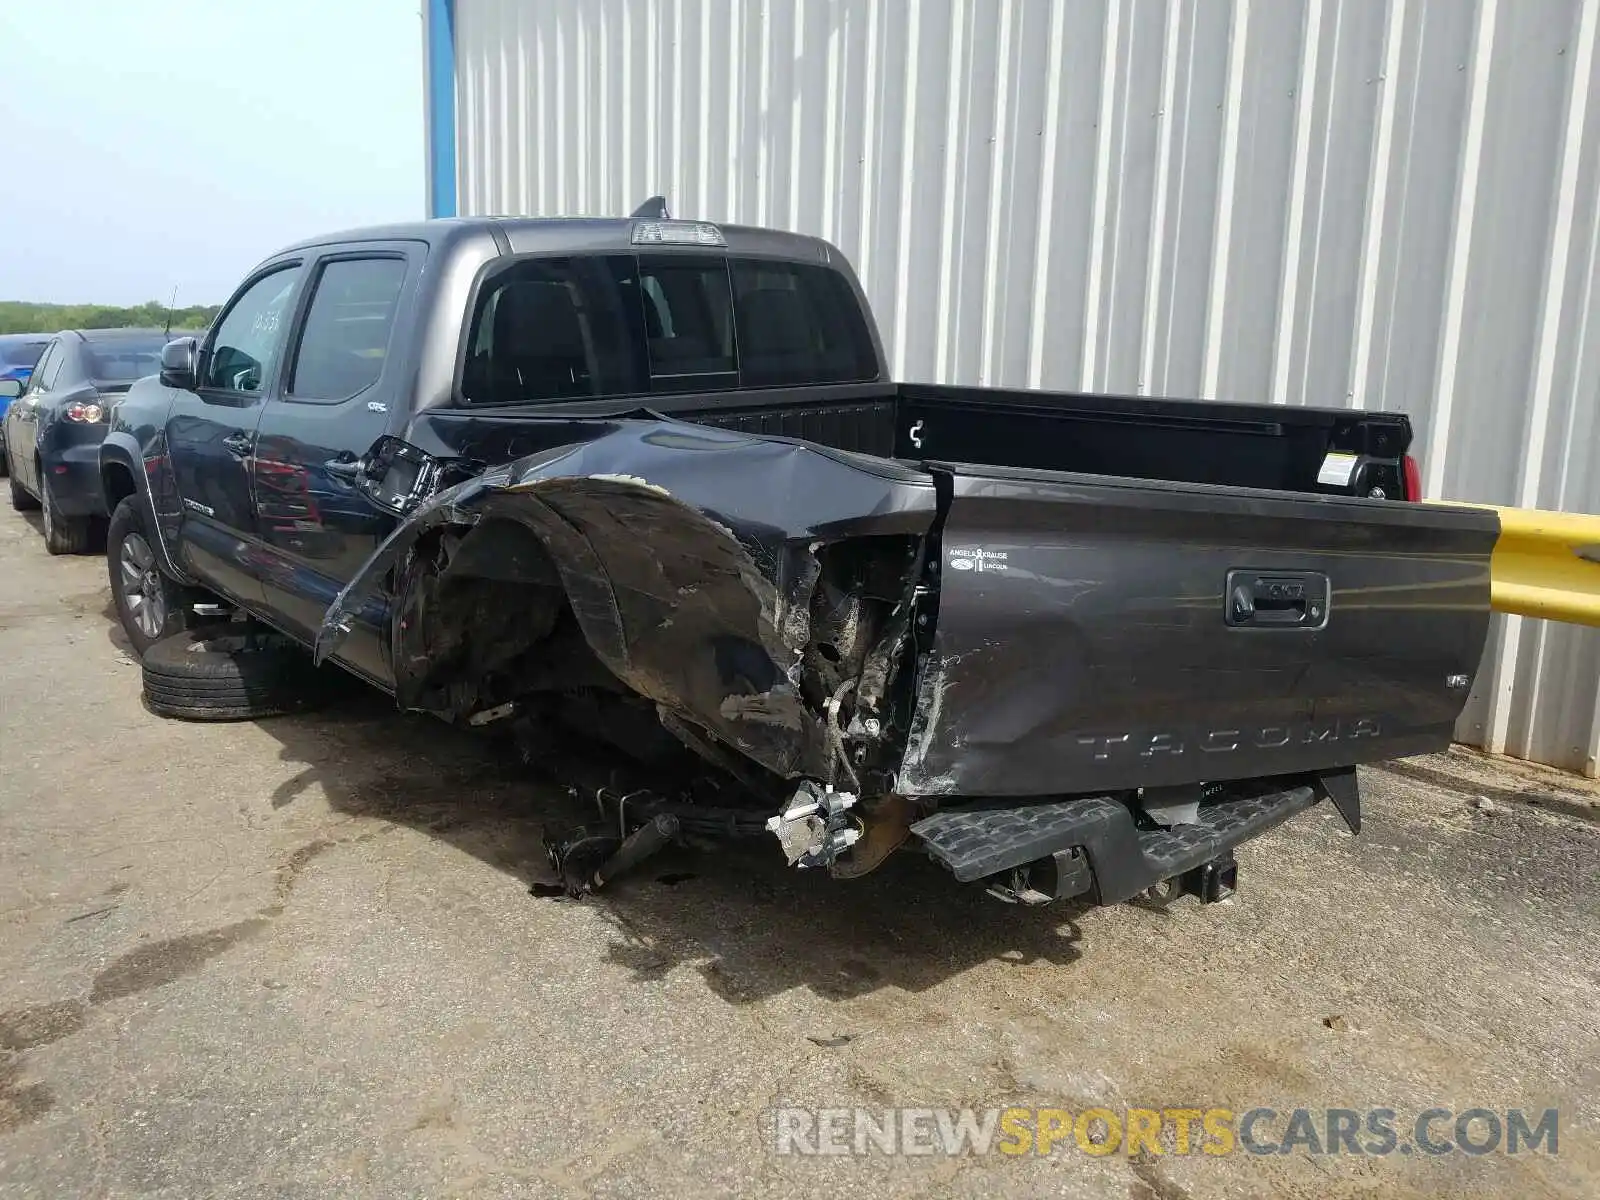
{"points": [[1276, 599]]}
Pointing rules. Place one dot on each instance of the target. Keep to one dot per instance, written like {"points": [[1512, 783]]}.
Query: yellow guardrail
{"points": [[1547, 564]]}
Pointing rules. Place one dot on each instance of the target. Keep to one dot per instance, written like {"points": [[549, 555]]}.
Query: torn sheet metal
{"points": [[688, 555]]}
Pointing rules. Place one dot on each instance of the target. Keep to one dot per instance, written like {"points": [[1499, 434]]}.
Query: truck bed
{"points": [[1115, 593], [1255, 446]]}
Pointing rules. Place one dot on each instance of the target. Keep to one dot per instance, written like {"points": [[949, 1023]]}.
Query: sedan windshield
{"points": [[124, 360]]}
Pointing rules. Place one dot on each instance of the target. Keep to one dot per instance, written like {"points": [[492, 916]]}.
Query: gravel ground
{"points": [[300, 957]]}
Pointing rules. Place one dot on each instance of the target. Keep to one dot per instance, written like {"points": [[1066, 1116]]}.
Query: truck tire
{"points": [[215, 675], [149, 605], [63, 534]]}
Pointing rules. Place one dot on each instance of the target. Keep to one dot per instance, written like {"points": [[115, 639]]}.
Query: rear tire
{"points": [[62, 534], [149, 605], [21, 500], [209, 675]]}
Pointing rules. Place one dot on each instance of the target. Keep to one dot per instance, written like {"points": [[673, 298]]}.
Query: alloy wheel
{"points": [[142, 585]]}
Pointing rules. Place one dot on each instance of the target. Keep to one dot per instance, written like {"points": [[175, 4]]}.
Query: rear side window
{"points": [[554, 329], [347, 328], [612, 325], [798, 324], [41, 367]]}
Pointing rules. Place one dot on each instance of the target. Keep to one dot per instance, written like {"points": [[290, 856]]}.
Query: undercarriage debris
{"points": [[816, 826]]}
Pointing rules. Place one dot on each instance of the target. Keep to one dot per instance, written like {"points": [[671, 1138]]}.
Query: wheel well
{"points": [[117, 483]]}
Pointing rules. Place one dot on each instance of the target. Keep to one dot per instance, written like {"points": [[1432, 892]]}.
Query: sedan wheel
{"points": [[62, 534], [21, 499]]}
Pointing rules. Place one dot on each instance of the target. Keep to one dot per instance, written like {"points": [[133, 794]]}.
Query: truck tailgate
{"points": [[1096, 633]]}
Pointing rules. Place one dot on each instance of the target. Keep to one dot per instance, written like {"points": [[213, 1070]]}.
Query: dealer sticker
{"points": [[1337, 469], [976, 558]]}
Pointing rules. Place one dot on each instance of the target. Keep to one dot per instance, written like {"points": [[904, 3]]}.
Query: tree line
{"points": [[22, 316]]}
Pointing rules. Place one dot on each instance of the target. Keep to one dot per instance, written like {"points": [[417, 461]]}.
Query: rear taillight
{"points": [[1412, 474], [85, 414]]}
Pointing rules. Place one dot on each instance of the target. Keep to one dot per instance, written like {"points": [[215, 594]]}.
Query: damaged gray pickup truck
{"points": [[645, 484]]}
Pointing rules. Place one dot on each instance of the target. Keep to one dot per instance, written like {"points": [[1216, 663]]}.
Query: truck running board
{"points": [[1123, 860]]}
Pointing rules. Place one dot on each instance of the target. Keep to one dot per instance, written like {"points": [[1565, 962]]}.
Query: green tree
{"points": [[23, 316]]}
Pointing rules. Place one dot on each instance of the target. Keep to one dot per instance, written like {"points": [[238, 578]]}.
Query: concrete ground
{"points": [[300, 957]]}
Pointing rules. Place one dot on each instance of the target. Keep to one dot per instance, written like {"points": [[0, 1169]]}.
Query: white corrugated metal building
{"points": [[1376, 203]]}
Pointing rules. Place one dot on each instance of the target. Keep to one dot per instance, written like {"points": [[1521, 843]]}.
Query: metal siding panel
{"points": [[924, 216], [1383, 203], [1431, 113], [1512, 240], [1015, 232], [1340, 179], [1549, 712], [688, 101], [1065, 212], [1261, 200], [849, 80], [1227, 176], [975, 153], [812, 133], [882, 211], [1389, 85], [1202, 94], [1136, 144]]}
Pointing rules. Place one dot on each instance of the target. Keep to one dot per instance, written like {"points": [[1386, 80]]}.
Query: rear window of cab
{"points": [[626, 324]]}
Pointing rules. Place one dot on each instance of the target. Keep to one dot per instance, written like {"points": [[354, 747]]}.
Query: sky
{"points": [[153, 144]]}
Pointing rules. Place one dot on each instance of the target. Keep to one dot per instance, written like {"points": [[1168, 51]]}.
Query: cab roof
{"points": [[569, 235]]}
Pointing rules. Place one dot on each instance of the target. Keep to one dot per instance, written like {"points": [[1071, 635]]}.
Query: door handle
{"points": [[1276, 599], [238, 444]]}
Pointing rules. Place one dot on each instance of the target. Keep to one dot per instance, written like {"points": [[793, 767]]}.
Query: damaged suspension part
{"points": [[816, 826], [588, 861]]}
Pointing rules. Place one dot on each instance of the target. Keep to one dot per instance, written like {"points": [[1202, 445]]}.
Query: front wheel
{"points": [[150, 605]]}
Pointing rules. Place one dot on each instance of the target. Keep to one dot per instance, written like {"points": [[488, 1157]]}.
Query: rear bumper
{"points": [[74, 477], [1121, 860]]}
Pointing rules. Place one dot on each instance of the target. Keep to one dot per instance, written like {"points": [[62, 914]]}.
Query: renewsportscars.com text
{"points": [[1375, 1132]]}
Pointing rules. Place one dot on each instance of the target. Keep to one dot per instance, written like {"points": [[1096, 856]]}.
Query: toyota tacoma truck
{"points": [[647, 484]]}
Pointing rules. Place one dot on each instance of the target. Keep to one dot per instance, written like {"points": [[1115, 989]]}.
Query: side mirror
{"points": [[180, 363], [10, 389]]}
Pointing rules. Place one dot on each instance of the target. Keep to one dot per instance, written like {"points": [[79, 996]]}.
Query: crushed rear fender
{"points": [[689, 556]]}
